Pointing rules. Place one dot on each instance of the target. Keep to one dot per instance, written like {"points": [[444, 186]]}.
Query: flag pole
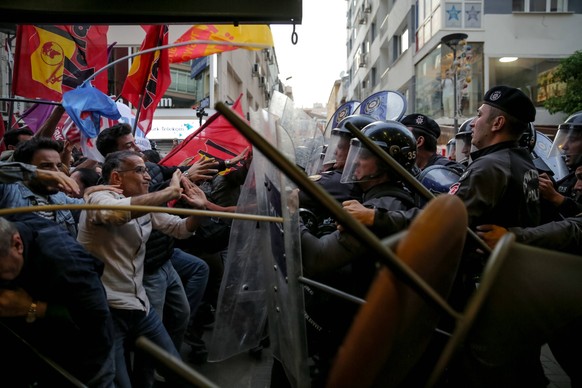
{"points": [[179, 44], [10, 75]]}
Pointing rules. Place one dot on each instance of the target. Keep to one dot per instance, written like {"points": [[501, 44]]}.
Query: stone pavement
{"points": [[248, 370]]}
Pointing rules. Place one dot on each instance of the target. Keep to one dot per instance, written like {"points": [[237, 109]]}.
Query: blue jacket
{"points": [[18, 195]]}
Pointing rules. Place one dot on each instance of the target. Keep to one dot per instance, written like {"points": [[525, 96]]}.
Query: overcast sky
{"points": [[320, 54]]}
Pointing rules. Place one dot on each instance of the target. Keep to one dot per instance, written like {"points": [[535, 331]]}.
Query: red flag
{"points": [[149, 76], [217, 138], [51, 60]]}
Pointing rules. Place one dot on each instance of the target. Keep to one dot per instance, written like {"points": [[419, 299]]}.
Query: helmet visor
{"points": [[452, 149], [568, 145], [337, 150], [464, 148], [361, 164]]}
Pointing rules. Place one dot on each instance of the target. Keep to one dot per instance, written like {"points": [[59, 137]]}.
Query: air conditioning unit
{"points": [[269, 56], [362, 18], [256, 70], [361, 59], [366, 7]]}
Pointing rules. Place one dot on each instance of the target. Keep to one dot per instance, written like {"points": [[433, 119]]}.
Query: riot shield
{"points": [[553, 161], [384, 105], [346, 109], [263, 266], [307, 139]]}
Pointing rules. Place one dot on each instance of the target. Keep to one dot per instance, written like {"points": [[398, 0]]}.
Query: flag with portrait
{"points": [[53, 59]]}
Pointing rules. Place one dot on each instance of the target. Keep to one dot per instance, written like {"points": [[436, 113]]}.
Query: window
{"points": [[540, 5], [404, 41]]}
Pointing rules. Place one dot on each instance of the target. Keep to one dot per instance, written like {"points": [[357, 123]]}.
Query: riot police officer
{"points": [[463, 146], [427, 131], [501, 183], [338, 259], [567, 144], [335, 156]]}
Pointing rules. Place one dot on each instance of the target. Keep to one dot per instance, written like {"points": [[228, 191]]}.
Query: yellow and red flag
{"points": [[149, 76], [259, 34], [51, 59]]}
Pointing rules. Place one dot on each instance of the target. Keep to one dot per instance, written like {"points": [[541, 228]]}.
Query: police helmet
{"points": [[463, 142], [452, 149], [528, 138], [568, 141], [394, 138], [337, 149], [465, 128], [438, 179]]}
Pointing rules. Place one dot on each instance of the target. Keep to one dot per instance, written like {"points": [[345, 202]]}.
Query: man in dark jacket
{"points": [[51, 295]]}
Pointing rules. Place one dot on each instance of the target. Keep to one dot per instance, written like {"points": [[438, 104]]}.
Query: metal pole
{"points": [[456, 116]]}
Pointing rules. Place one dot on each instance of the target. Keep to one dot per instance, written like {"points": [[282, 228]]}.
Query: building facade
{"points": [[397, 45]]}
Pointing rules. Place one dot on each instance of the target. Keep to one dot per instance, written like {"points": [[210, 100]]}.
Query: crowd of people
{"points": [[82, 286]]}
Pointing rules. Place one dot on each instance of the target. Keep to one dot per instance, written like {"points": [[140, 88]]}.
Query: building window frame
{"points": [[544, 6]]}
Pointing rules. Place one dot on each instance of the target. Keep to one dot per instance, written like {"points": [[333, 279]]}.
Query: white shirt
{"points": [[119, 241]]}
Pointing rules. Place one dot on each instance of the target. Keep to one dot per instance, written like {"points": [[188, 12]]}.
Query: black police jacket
{"points": [[500, 187], [337, 249], [564, 236]]}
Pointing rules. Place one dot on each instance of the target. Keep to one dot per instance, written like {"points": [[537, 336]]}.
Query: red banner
{"points": [[217, 138], [149, 76], [51, 60]]}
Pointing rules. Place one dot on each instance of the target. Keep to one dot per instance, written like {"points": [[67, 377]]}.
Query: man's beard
{"points": [[41, 189]]}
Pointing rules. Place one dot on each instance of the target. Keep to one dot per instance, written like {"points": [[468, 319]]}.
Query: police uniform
{"points": [[500, 187], [572, 204], [330, 181], [439, 160], [564, 236], [338, 259]]}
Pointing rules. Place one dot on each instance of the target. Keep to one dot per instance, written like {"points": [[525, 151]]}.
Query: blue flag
{"points": [[85, 105]]}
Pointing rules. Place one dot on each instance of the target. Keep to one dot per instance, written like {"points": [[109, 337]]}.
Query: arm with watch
{"points": [[18, 303]]}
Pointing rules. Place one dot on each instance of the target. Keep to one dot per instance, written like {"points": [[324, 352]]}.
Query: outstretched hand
{"points": [[58, 179], [193, 195], [203, 169]]}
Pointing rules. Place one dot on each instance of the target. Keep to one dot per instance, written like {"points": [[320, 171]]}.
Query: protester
{"points": [[126, 234], [44, 154], [174, 295], [52, 296], [12, 139]]}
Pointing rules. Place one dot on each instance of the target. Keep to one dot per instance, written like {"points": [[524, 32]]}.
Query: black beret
{"points": [[512, 101], [422, 122]]}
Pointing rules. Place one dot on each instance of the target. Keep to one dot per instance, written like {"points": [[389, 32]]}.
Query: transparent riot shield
{"points": [[260, 285], [307, 139], [554, 160]]}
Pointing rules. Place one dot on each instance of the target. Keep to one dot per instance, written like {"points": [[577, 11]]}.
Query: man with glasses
{"points": [[118, 238]]}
